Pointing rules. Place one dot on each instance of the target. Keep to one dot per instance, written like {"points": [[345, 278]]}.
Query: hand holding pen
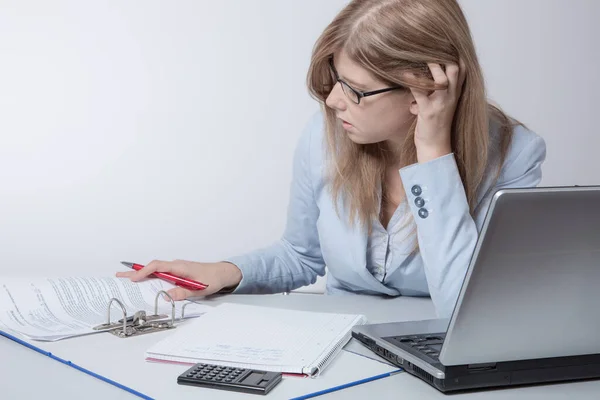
{"points": [[194, 279]]}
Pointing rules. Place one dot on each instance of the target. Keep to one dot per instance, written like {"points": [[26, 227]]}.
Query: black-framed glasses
{"points": [[353, 94]]}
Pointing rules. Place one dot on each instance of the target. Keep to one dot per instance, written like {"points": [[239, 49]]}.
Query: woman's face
{"points": [[381, 117]]}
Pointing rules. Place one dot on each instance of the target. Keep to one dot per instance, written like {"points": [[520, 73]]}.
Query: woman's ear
{"points": [[414, 107]]}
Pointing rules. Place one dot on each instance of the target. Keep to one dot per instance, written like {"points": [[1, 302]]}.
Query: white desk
{"points": [[26, 374], [123, 361]]}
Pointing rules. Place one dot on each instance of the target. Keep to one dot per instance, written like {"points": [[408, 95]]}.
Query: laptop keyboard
{"points": [[428, 345]]}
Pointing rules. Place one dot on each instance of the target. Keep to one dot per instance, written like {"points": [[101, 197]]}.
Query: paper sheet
{"points": [[265, 338], [51, 309]]}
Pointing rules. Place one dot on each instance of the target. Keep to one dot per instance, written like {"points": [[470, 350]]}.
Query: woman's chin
{"points": [[357, 138]]}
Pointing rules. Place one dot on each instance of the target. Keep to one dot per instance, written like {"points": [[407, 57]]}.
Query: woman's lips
{"points": [[346, 124]]}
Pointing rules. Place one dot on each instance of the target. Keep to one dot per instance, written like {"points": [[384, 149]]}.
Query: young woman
{"points": [[393, 178]]}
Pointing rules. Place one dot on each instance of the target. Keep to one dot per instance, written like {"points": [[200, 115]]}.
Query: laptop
{"points": [[527, 311]]}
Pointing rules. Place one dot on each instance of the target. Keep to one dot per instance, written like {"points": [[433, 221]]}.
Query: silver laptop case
{"points": [[532, 289], [533, 286]]}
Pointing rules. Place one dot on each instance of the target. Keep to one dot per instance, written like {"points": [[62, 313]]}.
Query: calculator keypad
{"points": [[230, 378], [215, 373]]}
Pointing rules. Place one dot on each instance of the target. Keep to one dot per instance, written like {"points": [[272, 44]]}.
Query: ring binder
{"points": [[140, 323]]}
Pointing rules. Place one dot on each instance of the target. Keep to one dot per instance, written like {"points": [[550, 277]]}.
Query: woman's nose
{"points": [[336, 99]]}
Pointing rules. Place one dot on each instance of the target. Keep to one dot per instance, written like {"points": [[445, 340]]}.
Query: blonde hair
{"points": [[389, 38]]}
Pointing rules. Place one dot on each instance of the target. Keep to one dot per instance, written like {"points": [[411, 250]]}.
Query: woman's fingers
{"points": [[152, 267], [452, 73], [180, 293], [126, 274], [439, 76]]}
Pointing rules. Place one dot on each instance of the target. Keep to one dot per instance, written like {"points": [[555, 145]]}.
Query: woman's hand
{"points": [[216, 275], [435, 112]]}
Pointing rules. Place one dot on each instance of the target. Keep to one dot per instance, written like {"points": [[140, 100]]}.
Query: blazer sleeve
{"points": [[295, 260], [447, 232]]}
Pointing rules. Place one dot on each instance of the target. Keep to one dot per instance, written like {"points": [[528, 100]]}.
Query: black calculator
{"points": [[227, 378]]}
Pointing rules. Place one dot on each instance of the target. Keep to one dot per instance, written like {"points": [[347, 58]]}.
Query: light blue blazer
{"points": [[315, 236]]}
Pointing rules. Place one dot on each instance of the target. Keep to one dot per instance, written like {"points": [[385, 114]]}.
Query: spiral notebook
{"points": [[269, 339]]}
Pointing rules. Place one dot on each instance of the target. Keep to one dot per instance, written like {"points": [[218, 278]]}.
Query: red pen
{"points": [[183, 282]]}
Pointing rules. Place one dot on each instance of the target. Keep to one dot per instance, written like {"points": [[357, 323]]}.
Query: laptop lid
{"points": [[532, 289]]}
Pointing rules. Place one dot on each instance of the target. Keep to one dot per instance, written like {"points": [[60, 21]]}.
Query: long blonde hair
{"points": [[389, 38]]}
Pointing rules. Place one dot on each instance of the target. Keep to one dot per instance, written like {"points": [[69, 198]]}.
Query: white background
{"points": [[135, 130]]}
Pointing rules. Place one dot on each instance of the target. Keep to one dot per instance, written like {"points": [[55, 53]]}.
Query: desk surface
{"points": [[26, 374], [123, 361]]}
